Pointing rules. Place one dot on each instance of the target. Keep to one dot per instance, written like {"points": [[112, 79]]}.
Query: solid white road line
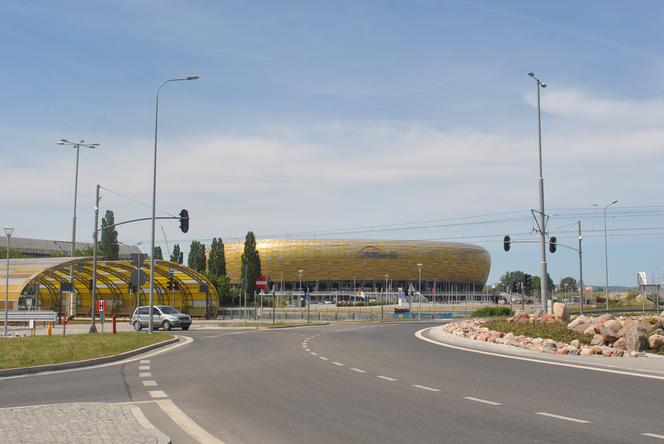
{"points": [[386, 378], [564, 418], [424, 387], [186, 423], [419, 335], [145, 375], [143, 367], [149, 383], [337, 363], [323, 358], [144, 361], [653, 435], [470, 398], [358, 370], [158, 394]]}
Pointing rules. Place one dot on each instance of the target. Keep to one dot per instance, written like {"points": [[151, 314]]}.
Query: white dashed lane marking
{"points": [[653, 435], [314, 353], [323, 358], [145, 375], [564, 418], [143, 367], [144, 361], [483, 401], [386, 378], [337, 363], [150, 383], [424, 387], [158, 394], [358, 370]]}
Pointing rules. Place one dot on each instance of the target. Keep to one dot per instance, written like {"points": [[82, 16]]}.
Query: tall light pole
{"points": [[544, 280], [580, 270], [419, 289], [154, 191], [606, 256], [8, 234], [77, 146], [300, 273]]}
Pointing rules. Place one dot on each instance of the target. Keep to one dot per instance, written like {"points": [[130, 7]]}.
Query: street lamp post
{"points": [[544, 286], [77, 146], [382, 303], [8, 234], [606, 256], [300, 273], [154, 192], [419, 289]]}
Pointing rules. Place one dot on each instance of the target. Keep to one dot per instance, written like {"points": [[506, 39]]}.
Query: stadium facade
{"points": [[350, 265]]}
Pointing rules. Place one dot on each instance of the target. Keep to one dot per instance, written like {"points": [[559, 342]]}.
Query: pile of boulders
{"points": [[612, 336]]}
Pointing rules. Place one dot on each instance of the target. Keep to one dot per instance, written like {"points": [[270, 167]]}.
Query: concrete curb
{"points": [[85, 362], [162, 438]]}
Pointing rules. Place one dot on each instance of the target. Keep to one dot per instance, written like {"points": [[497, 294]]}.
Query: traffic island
{"points": [[557, 333], [34, 354]]}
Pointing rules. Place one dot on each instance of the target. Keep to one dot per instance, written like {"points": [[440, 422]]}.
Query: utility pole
{"points": [[581, 295], [544, 286], [95, 236]]}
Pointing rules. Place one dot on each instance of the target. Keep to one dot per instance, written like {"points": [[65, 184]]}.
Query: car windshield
{"points": [[168, 310]]}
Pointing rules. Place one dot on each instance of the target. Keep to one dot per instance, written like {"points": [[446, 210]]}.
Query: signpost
{"points": [[101, 308]]}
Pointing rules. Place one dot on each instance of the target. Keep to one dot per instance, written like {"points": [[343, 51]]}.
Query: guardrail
{"points": [[29, 315]]}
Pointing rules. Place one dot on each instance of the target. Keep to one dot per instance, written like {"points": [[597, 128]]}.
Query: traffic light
{"points": [[553, 244], [184, 220], [515, 287], [527, 283], [169, 284], [506, 243]]}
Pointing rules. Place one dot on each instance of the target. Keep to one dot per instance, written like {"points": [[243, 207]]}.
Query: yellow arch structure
{"points": [[37, 282]]}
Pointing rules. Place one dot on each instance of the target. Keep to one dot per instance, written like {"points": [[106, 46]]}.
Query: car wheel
{"points": [[186, 327], [137, 326], [166, 325]]}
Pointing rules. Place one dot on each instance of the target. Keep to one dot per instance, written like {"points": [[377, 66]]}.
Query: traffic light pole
{"points": [[581, 296]]}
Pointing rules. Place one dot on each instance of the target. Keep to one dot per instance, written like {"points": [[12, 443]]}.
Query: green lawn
{"points": [[40, 350], [557, 331]]}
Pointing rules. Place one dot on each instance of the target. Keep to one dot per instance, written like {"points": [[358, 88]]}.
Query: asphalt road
{"points": [[354, 383]]}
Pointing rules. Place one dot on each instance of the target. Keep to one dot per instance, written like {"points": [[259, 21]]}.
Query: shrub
{"points": [[491, 311], [557, 331]]}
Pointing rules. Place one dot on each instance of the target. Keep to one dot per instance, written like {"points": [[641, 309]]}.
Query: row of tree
{"points": [[517, 278]]}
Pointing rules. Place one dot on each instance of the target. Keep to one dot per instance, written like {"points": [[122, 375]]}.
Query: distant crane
{"points": [[168, 248]]}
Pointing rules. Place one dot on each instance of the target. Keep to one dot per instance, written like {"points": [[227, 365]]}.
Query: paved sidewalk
{"points": [[93, 422]]}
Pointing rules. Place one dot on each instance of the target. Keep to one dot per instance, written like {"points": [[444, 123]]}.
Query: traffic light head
{"points": [[184, 220], [553, 244], [506, 243]]}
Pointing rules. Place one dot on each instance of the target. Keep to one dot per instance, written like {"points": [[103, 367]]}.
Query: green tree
{"points": [[569, 283], [251, 263], [158, 255], [217, 258], [537, 283], [196, 259], [109, 248], [177, 255], [510, 278], [87, 251]]}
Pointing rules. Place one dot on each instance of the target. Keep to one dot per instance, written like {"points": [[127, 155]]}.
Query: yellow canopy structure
{"points": [[37, 283]]}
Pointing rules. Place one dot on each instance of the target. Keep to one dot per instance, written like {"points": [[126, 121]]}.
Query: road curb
{"points": [[85, 362]]}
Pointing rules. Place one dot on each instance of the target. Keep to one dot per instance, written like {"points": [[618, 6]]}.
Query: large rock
{"points": [[608, 334], [560, 312], [635, 338], [656, 341], [597, 340]]}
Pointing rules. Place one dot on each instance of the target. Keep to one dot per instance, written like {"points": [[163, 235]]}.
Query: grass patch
{"points": [[557, 331], [490, 311], [40, 350]]}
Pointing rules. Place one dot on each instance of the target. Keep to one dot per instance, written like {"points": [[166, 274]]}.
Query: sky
{"points": [[372, 119]]}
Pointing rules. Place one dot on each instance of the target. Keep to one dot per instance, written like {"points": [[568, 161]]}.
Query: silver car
{"points": [[163, 316]]}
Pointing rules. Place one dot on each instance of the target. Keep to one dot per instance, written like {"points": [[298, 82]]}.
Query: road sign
{"points": [[261, 282], [138, 277], [101, 305], [138, 258], [66, 286]]}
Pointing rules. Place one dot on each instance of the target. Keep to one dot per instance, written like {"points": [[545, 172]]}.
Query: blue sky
{"points": [[312, 116]]}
